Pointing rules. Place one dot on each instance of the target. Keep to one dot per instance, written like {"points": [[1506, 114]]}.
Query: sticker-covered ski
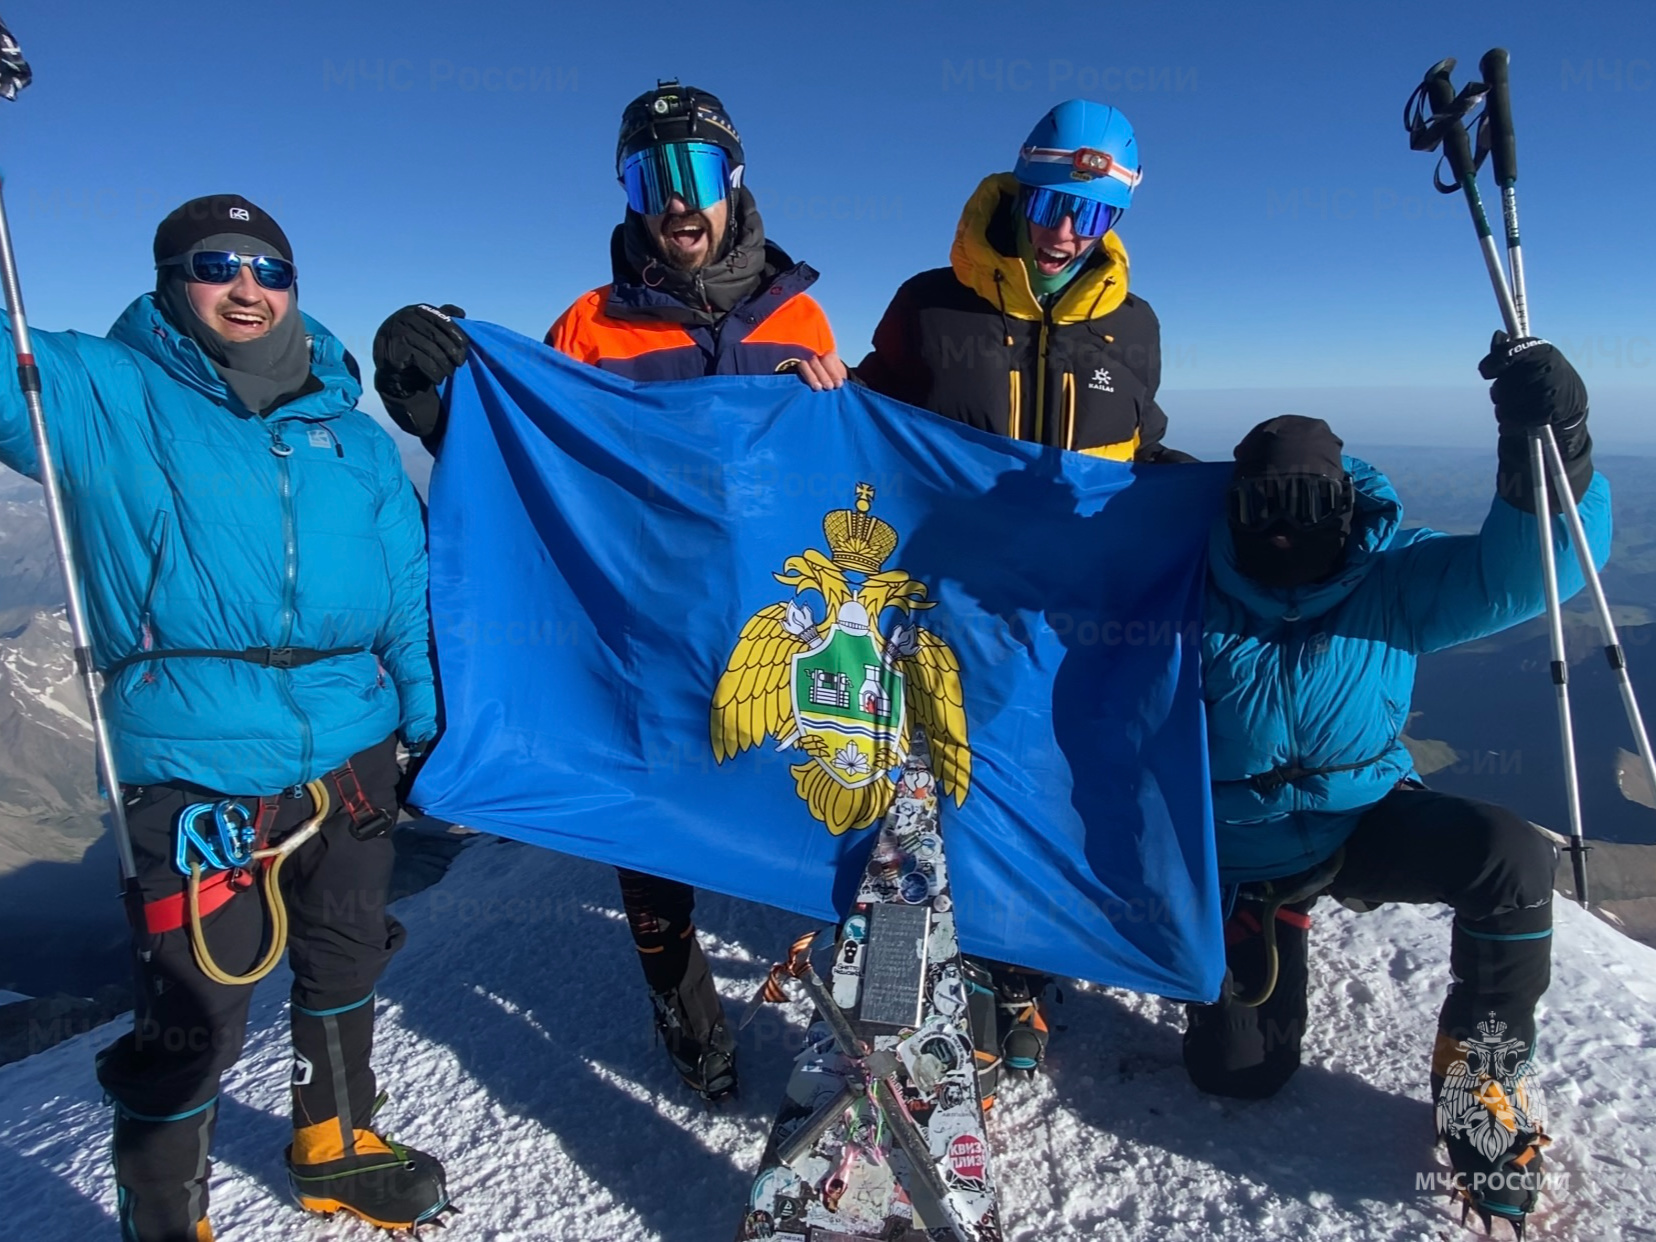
{"points": [[881, 1133]]}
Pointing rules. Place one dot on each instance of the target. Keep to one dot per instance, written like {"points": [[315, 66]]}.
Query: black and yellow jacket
{"points": [[971, 342]]}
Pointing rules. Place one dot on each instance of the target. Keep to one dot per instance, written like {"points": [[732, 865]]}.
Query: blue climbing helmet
{"points": [[1081, 160]]}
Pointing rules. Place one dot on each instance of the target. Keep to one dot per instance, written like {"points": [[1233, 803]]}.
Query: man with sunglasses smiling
{"points": [[1319, 603], [254, 571], [1031, 331], [697, 290]]}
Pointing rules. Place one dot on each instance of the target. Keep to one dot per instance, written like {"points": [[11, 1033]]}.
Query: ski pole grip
{"points": [[1503, 149], [1440, 93]]}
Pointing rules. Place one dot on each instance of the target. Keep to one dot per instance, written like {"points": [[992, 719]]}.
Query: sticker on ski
{"points": [[881, 1132]]}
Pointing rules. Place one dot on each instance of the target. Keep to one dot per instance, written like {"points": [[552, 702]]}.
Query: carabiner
{"points": [[227, 846]]}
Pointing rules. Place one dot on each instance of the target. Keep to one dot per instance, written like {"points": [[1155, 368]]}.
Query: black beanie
{"points": [[674, 113], [201, 218], [1291, 444]]}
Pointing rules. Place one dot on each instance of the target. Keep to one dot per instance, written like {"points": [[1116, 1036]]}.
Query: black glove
{"points": [[415, 351], [417, 755], [1535, 386]]}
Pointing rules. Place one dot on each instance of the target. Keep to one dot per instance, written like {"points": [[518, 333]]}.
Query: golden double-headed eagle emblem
{"points": [[839, 688]]}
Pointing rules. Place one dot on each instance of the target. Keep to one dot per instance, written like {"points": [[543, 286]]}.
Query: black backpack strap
{"points": [[267, 657], [1290, 773]]}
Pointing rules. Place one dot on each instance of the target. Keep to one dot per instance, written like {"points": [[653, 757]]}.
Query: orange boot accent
{"points": [[204, 1231], [987, 1063], [325, 1141]]}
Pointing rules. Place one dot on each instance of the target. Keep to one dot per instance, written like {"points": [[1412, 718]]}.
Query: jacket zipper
{"points": [[1069, 409], [1290, 662], [290, 585], [1041, 377], [161, 532]]}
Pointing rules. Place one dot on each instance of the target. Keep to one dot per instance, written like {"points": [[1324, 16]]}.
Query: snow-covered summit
{"points": [[515, 1039]]}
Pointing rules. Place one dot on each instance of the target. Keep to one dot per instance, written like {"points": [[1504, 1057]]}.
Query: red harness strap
{"points": [[1244, 924], [367, 820], [169, 913], [351, 797]]}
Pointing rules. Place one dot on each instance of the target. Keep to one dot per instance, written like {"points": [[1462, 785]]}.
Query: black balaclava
{"points": [[725, 281], [1285, 556], [263, 373]]}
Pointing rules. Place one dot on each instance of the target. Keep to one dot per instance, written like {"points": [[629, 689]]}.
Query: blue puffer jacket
{"points": [[199, 525], [1323, 676]]}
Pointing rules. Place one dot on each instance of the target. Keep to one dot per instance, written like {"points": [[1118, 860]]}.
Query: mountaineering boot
{"points": [[1508, 1187], [161, 1172], [1021, 1018], [982, 1017], [338, 1161], [691, 1023], [1491, 1119], [688, 1015], [383, 1182], [1485, 1077]]}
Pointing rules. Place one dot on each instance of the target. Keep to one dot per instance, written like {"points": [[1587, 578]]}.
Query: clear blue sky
{"points": [[1285, 233]]}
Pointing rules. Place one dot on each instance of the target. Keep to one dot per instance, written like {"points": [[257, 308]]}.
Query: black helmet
{"points": [[674, 113]]}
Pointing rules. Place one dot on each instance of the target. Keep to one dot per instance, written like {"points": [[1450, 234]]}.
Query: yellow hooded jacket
{"points": [[972, 342]]}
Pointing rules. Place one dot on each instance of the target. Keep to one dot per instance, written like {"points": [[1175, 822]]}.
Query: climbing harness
{"points": [[231, 849], [1272, 896]]}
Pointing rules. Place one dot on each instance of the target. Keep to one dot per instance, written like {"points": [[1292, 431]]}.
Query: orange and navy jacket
{"points": [[642, 333]]}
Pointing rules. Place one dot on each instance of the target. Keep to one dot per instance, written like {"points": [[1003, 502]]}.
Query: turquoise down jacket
{"points": [[200, 525], [1322, 677]]}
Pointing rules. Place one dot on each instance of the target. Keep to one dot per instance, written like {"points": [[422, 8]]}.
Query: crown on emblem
{"points": [[857, 540], [1491, 1028]]}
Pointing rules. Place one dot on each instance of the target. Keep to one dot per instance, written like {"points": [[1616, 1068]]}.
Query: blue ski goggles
{"points": [[220, 267], [697, 172], [1299, 500], [1047, 207]]}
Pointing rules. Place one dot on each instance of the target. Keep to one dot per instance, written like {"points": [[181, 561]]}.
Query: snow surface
{"points": [[514, 1036]]}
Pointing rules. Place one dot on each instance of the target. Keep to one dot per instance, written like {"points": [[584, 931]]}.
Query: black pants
{"points": [[660, 915], [1416, 846], [188, 1029]]}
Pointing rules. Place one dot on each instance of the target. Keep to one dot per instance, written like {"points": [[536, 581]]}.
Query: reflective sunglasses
{"points": [[1300, 500], [1047, 207], [697, 172], [220, 267]]}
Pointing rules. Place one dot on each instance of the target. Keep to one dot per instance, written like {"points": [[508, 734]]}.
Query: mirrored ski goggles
{"points": [[220, 267], [1048, 207], [697, 172], [1302, 500]]}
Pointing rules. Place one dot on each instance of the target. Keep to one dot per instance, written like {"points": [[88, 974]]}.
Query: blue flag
{"points": [[693, 628]]}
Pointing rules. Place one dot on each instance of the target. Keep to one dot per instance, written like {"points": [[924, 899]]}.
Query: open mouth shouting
{"points": [[686, 239], [1053, 259]]}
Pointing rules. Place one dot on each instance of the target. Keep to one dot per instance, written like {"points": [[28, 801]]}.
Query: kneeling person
{"points": [[1318, 605]]}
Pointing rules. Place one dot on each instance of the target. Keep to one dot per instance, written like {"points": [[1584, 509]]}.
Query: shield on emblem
{"points": [[846, 695]]}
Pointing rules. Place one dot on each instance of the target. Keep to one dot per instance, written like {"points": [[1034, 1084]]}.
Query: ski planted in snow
{"points": [[881, 1132]]}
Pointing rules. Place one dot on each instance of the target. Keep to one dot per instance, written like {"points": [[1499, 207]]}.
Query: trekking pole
{"points": [[1560, 665], [1496, 129], [14, 76], [1446, 126], [1497, 125]]}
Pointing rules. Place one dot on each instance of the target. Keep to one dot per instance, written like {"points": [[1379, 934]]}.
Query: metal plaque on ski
{"points": [[881, 1133]]}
